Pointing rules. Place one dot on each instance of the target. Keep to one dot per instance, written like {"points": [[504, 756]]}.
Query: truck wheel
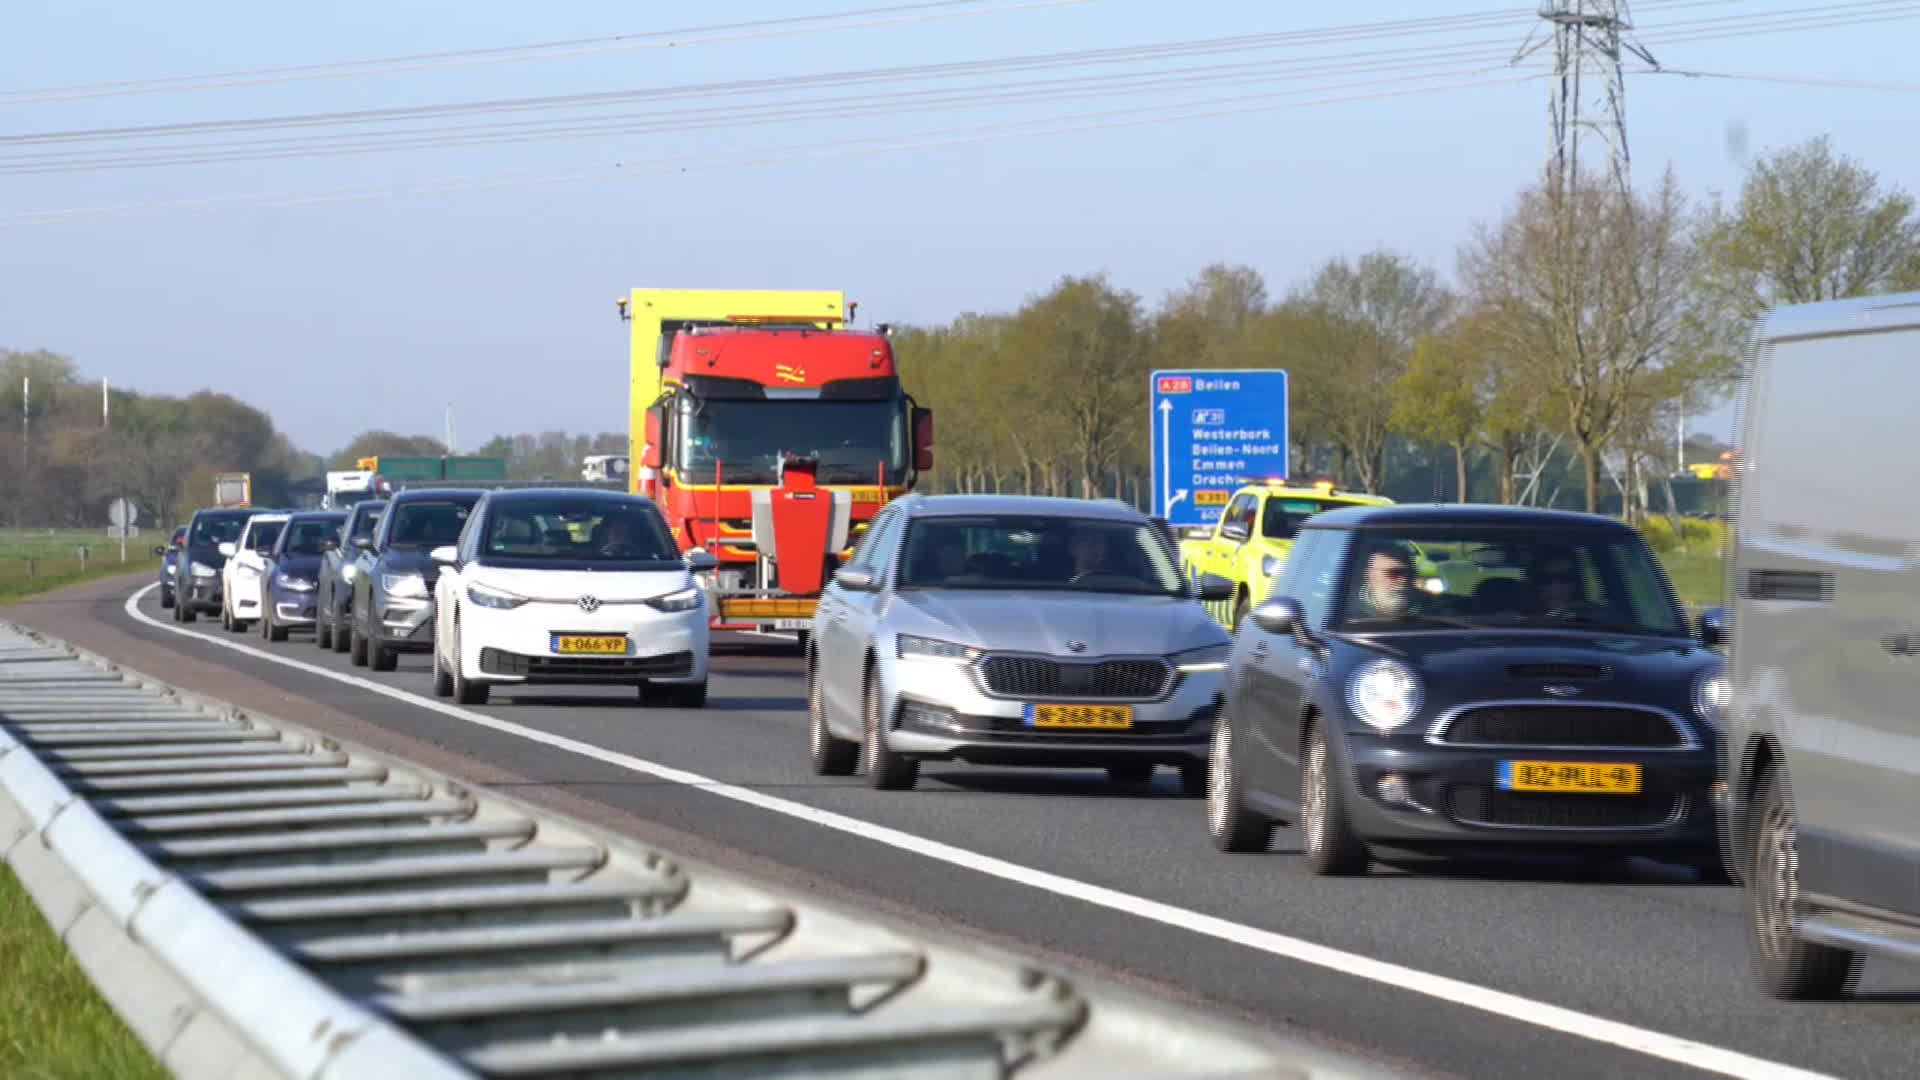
{"points": [[1786, 965]]}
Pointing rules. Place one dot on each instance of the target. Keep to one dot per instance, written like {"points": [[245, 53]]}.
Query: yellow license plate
{"points": [[1574, 777], [1211, 498], [590, 644], [1105, 717]]}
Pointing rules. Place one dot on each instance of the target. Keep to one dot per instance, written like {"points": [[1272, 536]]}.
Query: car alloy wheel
{"points": [[1233, 827], [1329, 842], [885, 769], [1786, 965], [831, 755], [442, 678]]}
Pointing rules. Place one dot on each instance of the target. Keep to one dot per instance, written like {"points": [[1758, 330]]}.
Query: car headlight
{"points": [[484, 596], [1385, 693], [202, 570], [910, 647], [1207, 659], [685, 600], [404, 586], [1270, 565], [1711, 695], [348, 571], [295, 584]]}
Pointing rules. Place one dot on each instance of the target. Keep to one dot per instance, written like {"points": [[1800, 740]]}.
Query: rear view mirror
{"points": [[161, 552], [364, 543], [1280, 615], [1714, 629], [701, 561], [922, 439], [856, 578], [1214, 588]]}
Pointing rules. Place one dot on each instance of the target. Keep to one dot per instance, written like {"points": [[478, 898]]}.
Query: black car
{"points": [[196, 570], [1462, 680], [333, 597], [169, 556], [293, 569], [393, 578]]}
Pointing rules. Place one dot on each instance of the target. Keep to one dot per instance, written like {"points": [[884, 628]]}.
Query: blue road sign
{"points": [[1212, 432]]}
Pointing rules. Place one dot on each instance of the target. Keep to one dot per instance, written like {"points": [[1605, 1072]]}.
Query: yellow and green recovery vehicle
{"points": [[1251, 539]]}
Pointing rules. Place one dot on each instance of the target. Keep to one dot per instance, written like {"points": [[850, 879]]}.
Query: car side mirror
{"points": [[856, 578], [1281, 615], [1234, 532], [161, 552], [701, 561], [1714, 629], [446, 555], [364, 543], [1214, 588], [227, 549]]}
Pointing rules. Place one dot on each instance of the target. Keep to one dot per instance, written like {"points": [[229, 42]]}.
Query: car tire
{"points": [[831, 755], [183, 610], [1235, 829], [685, 695], [886, 770], [166, 597], [1131, 773], [1786, 965], [356, 646], [322, 629], [442, 678], [465, 690], [342, 633], [271, 629], [1327, 835], [381, 658]]}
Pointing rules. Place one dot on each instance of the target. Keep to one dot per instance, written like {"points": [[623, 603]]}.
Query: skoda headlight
{"points": [[923, 648], [1210, 658], [493, 598], [294, 584], [404, 586], [1385, 693], [1270, 565], [684, 600], [1711, 695], [202, 570]]}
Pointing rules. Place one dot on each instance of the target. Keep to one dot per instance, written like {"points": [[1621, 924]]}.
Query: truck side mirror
{"points": [[922, 439], [651, 454]]}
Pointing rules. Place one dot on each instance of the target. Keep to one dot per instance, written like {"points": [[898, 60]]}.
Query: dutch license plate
{"points": [[793, 624], [590, 644], [1104, 717], [1574, 777]]}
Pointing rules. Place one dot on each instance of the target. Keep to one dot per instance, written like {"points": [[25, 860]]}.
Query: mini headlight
{"points": [[1385, 694], [1711, 695], [404, 585], [921, 648], [493, 598], [685, 600], [1207, 659]]}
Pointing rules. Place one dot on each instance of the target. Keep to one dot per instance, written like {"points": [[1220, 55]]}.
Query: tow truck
{"points": [[771, 434], [1248, 544]]}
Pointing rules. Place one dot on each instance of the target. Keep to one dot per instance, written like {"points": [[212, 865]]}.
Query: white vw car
{"points": [[557, 586], [243, 578]]}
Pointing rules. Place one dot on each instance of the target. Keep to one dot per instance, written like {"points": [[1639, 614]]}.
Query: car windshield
{"points": [[212, 529], [429, 523], [1018, 551], [1281, 518], [264, 534], [578, 529], [1587, 579], [308, 536], [367, 521], [854, 440]]}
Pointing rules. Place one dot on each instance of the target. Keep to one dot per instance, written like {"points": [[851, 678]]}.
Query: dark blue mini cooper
{"points": [[1462, 680]]}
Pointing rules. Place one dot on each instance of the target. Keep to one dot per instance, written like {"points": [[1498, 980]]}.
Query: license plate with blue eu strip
{"points": [[590, 644], [1083, 717]]}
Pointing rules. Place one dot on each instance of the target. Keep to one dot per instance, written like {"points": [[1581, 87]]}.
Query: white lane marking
{"points": [[1512, 1006]]}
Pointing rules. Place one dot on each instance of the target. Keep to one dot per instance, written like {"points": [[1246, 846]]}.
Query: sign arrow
{"points": [[1166, 457]]}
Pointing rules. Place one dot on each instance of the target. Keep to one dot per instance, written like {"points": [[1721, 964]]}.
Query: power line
{"points": [[658, 39], [1790, 80]]}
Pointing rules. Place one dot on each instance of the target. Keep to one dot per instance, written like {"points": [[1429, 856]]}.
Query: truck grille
{"points": [[1563, 725], [1084, 680], [1474, 804]]}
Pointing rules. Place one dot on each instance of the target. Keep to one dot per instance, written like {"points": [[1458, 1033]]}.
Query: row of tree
{"points": [[549, 455], [1580, 331]]}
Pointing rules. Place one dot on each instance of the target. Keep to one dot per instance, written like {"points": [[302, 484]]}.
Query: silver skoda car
{"points": [[1014, 630]]}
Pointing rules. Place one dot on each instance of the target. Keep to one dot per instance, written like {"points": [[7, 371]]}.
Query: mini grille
{"points": [[1098, 680], [1475, 804], [1520, 725]]}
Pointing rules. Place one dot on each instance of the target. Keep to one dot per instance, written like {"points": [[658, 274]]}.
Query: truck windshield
{"points": [[854, 440]]}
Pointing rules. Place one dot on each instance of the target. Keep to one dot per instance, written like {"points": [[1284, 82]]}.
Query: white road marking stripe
{"points": [[1512, 1006]]}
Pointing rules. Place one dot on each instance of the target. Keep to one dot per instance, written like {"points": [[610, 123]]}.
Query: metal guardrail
{"points": [[261, 900]]}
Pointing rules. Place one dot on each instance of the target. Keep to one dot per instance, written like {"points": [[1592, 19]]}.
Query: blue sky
{"points": [[379, 313]]}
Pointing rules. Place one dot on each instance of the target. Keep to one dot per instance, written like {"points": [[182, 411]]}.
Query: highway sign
{"points": [[122, 512], [1212, 432]]}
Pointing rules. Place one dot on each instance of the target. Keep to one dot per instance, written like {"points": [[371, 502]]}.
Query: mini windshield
{"points": [[1281, 518], [855, 441], [1034, 552], [578, 529], [1584, 579], [210, 530], [308, 536], [430, 523]]}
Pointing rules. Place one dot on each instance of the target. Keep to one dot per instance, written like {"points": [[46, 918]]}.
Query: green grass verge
{"points": [[1695, 575], [53, 1024]]}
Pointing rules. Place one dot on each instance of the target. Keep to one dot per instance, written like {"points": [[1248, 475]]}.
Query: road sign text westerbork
{"points": [[1213, 431]]}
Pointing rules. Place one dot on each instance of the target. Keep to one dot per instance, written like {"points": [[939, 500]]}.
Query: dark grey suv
{"points": [[393, 583]]}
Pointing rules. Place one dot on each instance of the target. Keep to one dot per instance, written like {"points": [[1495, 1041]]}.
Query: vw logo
{"points": [[1562, 690], [1076, 646], [589, 603]]}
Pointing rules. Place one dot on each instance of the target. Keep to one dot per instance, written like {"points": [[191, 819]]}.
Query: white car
{"points": [[243, 578], [566, 586]]}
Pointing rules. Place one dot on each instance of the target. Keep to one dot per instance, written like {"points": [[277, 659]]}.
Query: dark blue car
{"points": [[293, 570], [169, 558]]}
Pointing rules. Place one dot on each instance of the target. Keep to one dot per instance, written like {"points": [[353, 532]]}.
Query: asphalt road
{"points": [[1521, 969]]}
